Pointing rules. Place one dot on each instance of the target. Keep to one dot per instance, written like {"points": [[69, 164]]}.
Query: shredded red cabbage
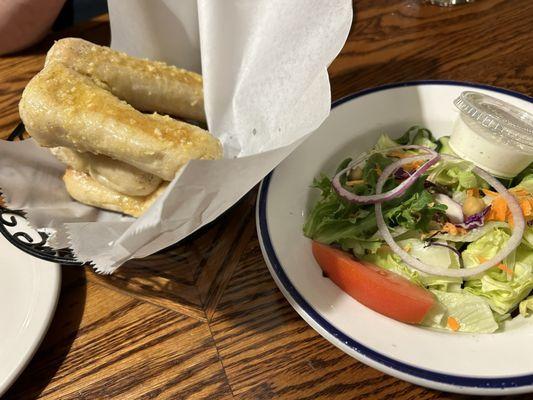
{"points": [[401, 174], [476, 220]]}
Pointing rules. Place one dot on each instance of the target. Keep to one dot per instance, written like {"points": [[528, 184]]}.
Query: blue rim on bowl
{"points": [[277, 268]]}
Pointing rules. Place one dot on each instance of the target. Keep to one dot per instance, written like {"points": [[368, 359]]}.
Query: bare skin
{"points": [[25, 22]]}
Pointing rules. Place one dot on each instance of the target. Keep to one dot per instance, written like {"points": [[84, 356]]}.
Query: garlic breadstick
{"points": [[86, 190], [147, 85], [61, 107]]}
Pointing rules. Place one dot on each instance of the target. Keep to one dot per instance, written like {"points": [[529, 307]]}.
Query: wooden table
{"points": [[204, 319]]}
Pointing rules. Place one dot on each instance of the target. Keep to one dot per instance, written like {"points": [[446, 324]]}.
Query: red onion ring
{"points": [[512, 243], [398, 190]]}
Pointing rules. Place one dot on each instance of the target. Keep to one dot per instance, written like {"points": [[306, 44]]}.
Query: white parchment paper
{"points": [[266, 87]]}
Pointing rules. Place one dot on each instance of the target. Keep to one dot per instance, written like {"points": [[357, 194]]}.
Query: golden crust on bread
{"points": [[146, 85], [86, 190], [61, 107], [114, 174]]}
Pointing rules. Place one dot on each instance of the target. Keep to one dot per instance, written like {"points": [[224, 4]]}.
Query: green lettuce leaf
{"points": [[419, 136], [423, 137], [360, 247], [375, 164], [433, 255], [456, 175], [444, 146], [528, 171], [527, 238], [526, 307], [437, 256], [473, 234], [414, 135], [388, 260], [471, 312], [385, 142], [331, 230], [334, 220], [503, 291], [486, 247], [499, 318], [527, 183], [415, 212]]}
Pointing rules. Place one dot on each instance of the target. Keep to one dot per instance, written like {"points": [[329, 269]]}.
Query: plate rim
{"points": [[442, 381], [50, 294]]}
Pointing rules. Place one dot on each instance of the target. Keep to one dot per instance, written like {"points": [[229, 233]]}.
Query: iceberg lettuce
{"points": [[486, 247], [388, 260], [436, 255], [473, 234], [471, 312], [360, 247], [456, 175], [527, 183], [503, 290], [527, 238], [414, 135], [526, 307], [385, 142]]}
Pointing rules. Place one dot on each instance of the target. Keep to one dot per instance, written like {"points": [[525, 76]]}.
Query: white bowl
{"points": [[495, 364]]}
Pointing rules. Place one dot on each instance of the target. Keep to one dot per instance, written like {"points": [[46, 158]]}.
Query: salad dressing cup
{"points": [[492, 134]]}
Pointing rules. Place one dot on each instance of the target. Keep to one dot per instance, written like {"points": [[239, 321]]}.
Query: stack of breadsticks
{"points": [[87, 105]]}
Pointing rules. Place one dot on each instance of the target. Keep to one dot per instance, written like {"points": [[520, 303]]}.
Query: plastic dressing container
{"points": [[492, 134]]}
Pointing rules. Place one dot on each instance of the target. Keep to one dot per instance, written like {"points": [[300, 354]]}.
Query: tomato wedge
{"points": [[380, 290]]}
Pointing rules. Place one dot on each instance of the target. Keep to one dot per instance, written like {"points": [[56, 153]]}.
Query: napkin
{"points": [[266, 87]]}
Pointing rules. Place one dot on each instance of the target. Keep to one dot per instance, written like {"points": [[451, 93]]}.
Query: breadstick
{"points": [[146, 85], [86, 190], [114, 174], [61, 107]]}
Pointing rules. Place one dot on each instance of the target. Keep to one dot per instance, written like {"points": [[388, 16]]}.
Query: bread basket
{"points": [[35, 242]]}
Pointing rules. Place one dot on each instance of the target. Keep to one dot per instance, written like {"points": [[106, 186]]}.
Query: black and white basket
{"points": [[35, 244]]}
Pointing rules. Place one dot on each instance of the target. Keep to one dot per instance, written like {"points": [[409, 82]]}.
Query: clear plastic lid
{"points": [[503, 121]]}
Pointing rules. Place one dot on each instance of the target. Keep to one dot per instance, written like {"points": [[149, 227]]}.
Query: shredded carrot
{"points": [[472, 192], [412, 166], [452, 229], [453, 324], [407, 247], [501, 266], [378, 170], [355, 182], [527, 207], [490, 193], [398, 154], [505, 268], [499, 210], [520, 192]]}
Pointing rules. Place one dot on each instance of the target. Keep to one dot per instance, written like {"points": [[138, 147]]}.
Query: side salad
{"points": [[415, 232]]}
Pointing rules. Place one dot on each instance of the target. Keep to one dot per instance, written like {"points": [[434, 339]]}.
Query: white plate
{"points": [[500, 363], [29, 289]]}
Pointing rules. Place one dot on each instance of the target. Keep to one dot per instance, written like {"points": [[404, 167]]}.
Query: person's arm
{"points": [[25, 22]]}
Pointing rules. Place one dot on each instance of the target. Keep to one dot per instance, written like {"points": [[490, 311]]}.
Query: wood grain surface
{"points": [[204, 319]]}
